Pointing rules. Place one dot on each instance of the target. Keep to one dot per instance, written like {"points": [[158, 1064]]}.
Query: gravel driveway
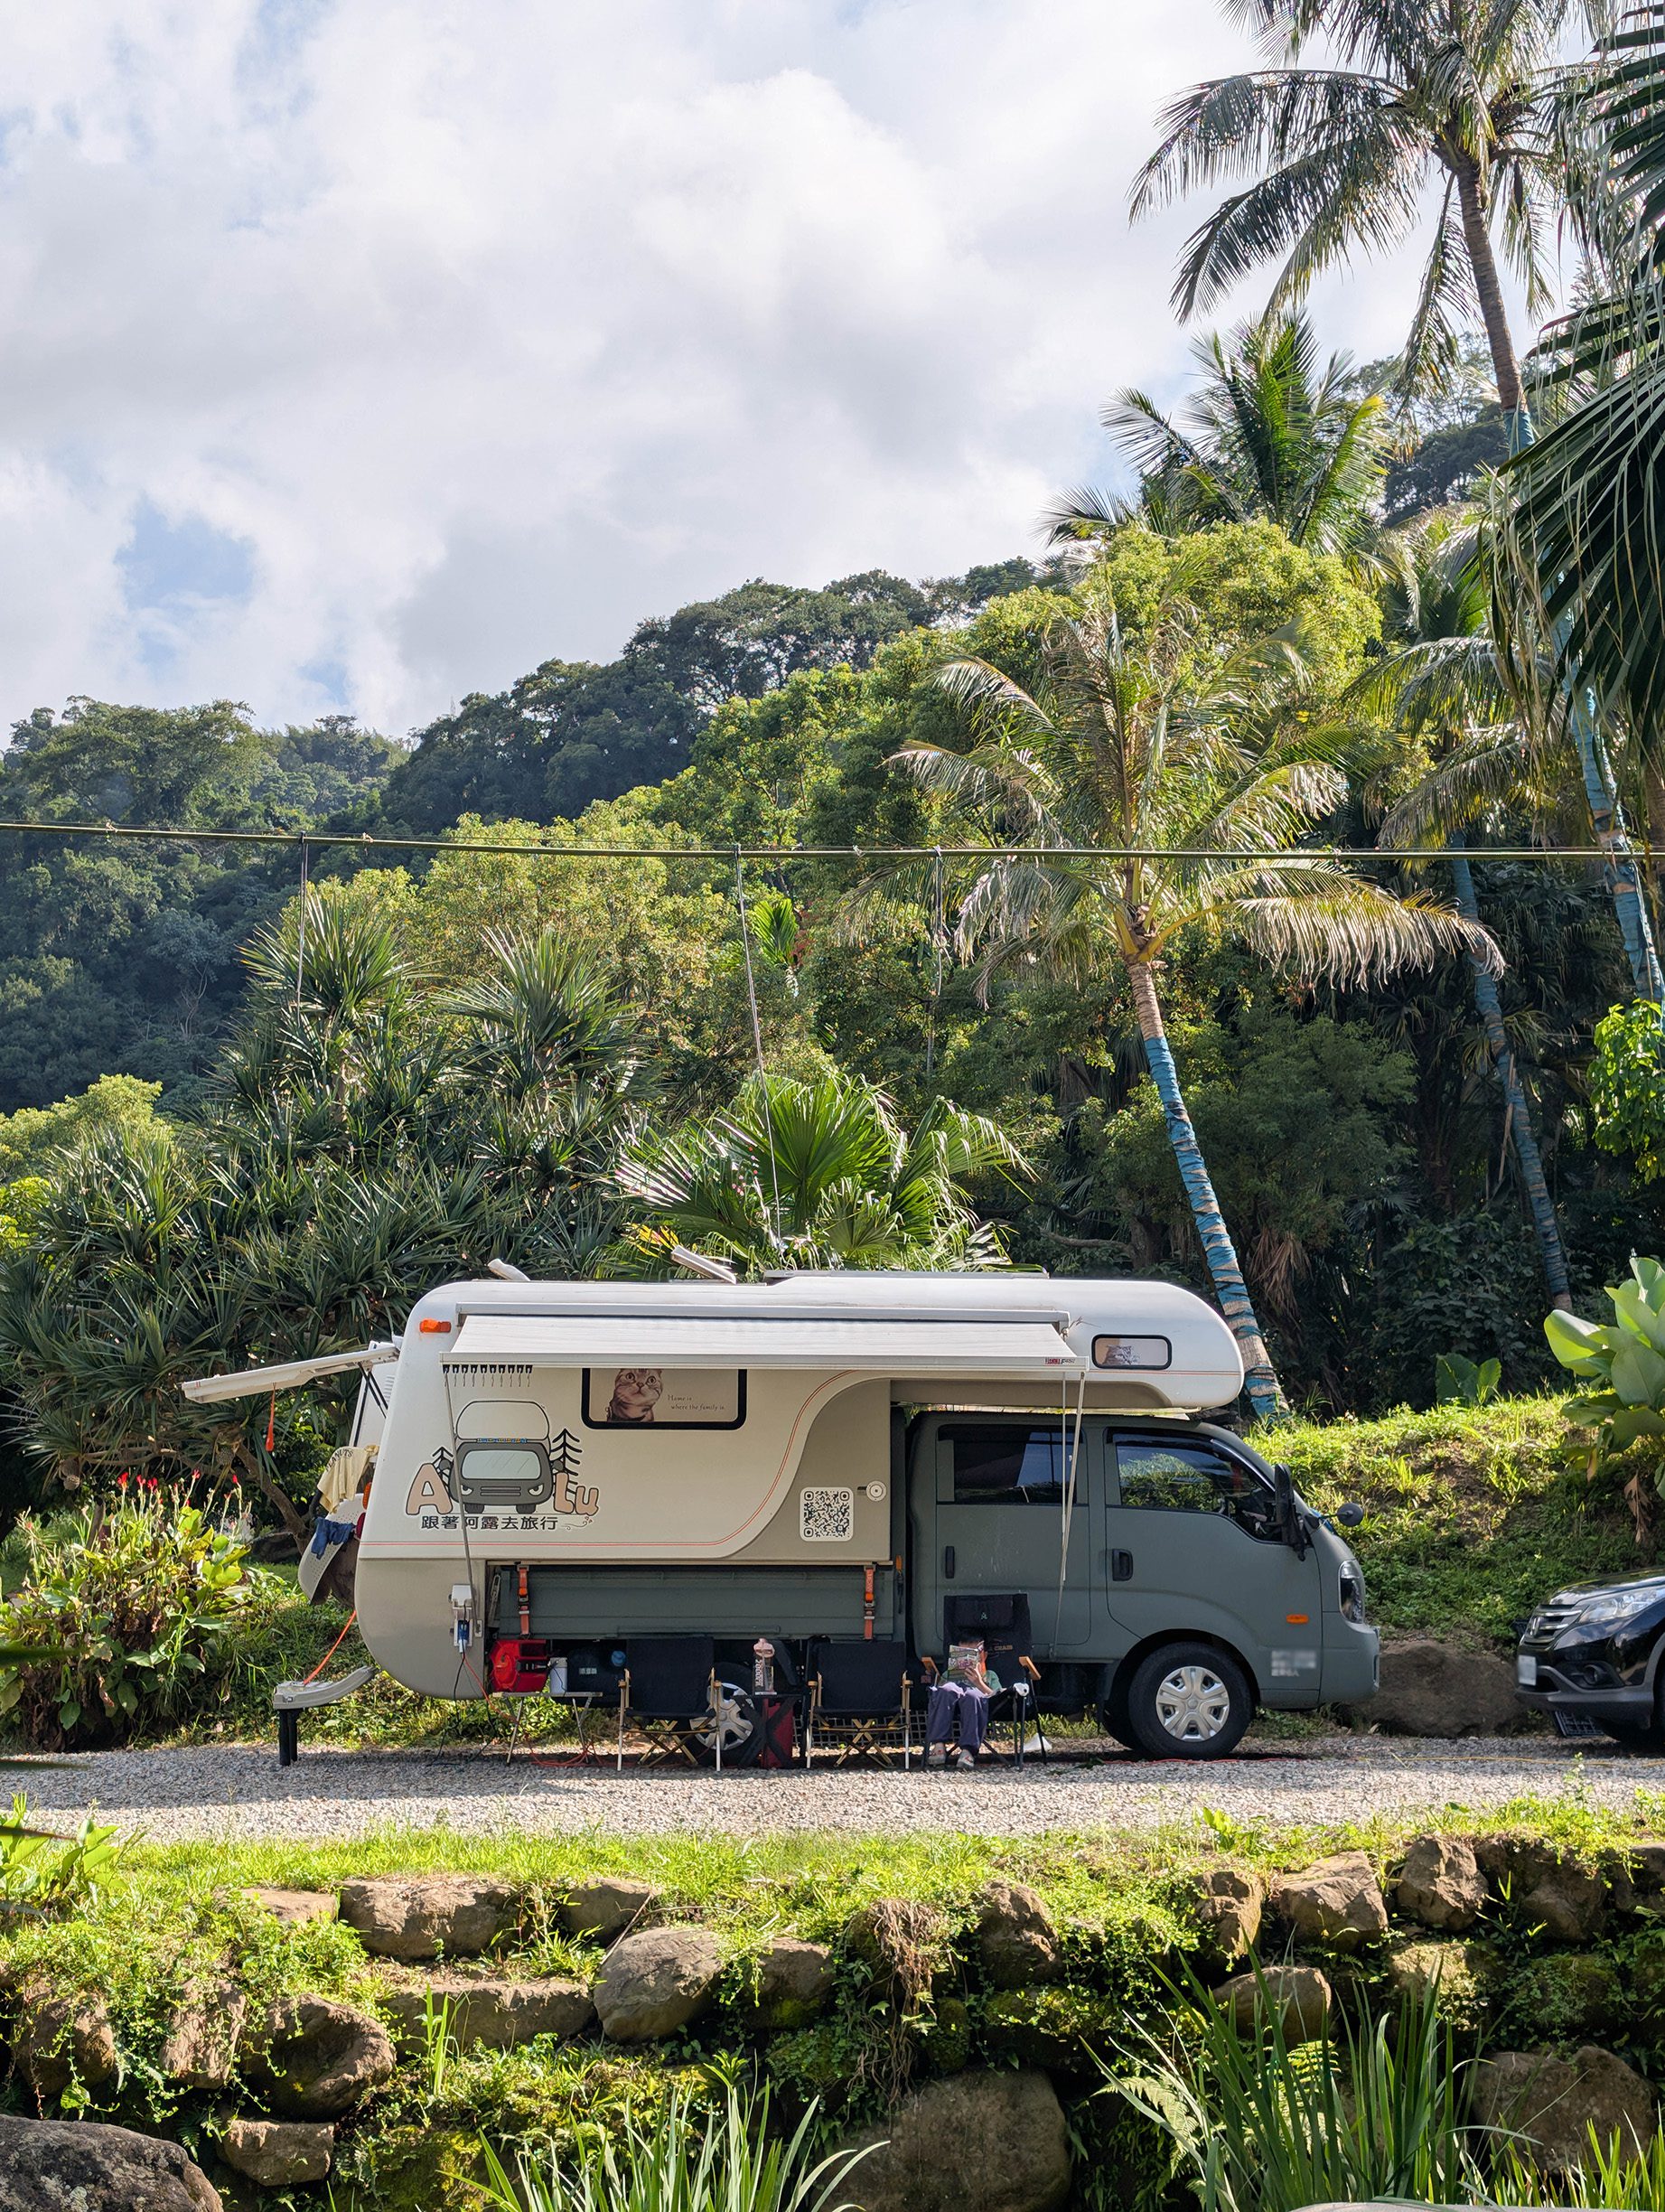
{"points": [[239, 1793]]}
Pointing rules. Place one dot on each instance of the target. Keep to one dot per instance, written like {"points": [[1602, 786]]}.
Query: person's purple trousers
{"points": [[949, 1698]]}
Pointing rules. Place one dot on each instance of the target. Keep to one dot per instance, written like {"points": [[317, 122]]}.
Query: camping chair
{"points": [[1002, 1626], [860, 1700], [667, 1691]]}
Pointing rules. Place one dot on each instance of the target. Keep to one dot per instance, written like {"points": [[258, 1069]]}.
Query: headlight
{"points": [[1352, 1593], [1615, 1605]]}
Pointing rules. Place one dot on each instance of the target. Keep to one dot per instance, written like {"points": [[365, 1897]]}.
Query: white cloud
{"points": [[469, 332]]}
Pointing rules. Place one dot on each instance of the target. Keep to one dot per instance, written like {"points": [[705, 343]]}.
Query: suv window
{"points": [[1008, 1466], [1190, 1478]]}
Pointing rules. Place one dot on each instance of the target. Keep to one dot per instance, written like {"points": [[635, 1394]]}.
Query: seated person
{"points": [[960, 1690]]}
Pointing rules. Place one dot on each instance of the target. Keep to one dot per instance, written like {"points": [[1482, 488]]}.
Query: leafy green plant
{"points": [[1460, 1381], [1620, 1365], [1258, 2124], [129, 1607], [35, 1878], [686, 2162], [1615, 2174]]}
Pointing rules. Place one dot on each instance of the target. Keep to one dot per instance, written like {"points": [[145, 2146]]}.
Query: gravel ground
{"points": [[239, 1793]]}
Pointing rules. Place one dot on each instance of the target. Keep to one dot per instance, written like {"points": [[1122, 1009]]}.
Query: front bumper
{"points": [[1625, 1702], [1352, 1660]]}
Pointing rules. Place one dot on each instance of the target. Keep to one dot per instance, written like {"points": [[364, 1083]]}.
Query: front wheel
{"points": [[1189, 1701]]}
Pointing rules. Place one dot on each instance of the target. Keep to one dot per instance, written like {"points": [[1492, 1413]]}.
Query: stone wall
{"points": [[963, 2039]]}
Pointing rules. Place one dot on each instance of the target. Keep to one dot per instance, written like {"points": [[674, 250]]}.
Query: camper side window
{"points": [[1008, 1466], [1190, 1478]]}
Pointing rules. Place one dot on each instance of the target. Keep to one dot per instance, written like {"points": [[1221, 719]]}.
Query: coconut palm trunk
{"points": [[1259, 1377], [1619, 870], [1521, 1130]]}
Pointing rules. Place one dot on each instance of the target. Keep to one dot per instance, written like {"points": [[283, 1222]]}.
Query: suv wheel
{"points": [[1189, 1701]]}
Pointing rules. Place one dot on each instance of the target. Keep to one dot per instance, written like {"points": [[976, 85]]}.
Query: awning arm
{"points": [[289, 1374]]}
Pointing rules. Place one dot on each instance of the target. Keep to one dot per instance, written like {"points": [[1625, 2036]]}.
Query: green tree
{"points": [[1267, 433], [1120, 748], [818, 1174], [1440, 680]]}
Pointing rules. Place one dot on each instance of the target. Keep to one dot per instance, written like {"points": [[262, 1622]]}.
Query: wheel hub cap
{"points": [[1193, 1704]]}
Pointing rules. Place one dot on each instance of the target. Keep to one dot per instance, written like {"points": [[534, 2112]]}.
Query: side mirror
{"points": [[1290, 1525], [1348, 1515]]}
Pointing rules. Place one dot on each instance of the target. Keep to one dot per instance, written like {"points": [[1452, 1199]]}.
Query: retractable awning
{"points": [[898, 1346]]}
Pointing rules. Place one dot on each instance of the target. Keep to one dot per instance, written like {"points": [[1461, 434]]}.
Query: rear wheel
{"points": [[1189, 1701], [740, 1724]]}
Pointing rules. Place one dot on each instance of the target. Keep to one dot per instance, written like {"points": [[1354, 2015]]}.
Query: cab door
{"points": [[1192, 1548], [991, 1516]]}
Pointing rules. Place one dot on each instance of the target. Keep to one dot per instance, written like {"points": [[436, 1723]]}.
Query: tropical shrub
{"points": [[1466, 1382], [132, 1608], [1620, 1365], [1627, 1094]]}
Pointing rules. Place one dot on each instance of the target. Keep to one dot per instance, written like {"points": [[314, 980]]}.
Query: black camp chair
{"points": [[668, 1692], [1001, 1624], [860, 1700]]}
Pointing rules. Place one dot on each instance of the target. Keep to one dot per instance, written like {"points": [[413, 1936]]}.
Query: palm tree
{"points": [[1467, 94], [1459, 95], [1117, 748], [1267, 433], [1440, 668], [818, 1174]]}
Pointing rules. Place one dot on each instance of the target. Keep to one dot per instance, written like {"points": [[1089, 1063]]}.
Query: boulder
{"points": [[1569, 1994], [1338, 1902], [294, 1908], [655, 1981], [200, 2049], [64, 2038], [1064, 2031], [1554, 2102], [1300, 1997], [1442, 1885], [1226, 1903], [278, 2153], [610, 1906], [978, 2143], [794, 1980], [429, 1916], [1464, 1972], [499, 2014], [76, 2166], [1554, 1894], [1016, 1938], [312, 2059], [1430, 1689]]}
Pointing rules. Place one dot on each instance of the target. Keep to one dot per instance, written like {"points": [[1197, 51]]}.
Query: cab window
{"points": [[1190, 1478], [1006, 1466]]}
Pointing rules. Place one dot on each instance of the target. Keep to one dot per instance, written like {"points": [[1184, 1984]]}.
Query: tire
{"points": [[1114, 1720], [1635, 1735], [1190, 1701], [741, 1725]]}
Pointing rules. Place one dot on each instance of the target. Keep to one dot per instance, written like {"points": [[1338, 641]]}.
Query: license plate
{"points": [[1526, 1673]]}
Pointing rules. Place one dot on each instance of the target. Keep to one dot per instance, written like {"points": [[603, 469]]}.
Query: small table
{"points": [[583, 1703]]}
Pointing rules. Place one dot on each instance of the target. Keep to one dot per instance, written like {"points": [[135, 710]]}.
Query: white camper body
{"points": [[670, 1455]]}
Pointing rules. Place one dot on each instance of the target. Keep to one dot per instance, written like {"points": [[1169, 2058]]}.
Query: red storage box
{"points": [[521, 1664]]}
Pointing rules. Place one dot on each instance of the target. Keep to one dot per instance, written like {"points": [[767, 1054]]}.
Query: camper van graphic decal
{"points": [[502, 1480]]}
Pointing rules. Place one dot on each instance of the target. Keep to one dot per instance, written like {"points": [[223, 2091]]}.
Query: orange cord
{"points": [[333, 1648]]}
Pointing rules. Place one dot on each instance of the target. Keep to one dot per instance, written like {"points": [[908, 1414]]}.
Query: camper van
{"points": [[563, 1471]]}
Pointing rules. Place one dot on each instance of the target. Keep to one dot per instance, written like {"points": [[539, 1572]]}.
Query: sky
{"points": [[358, 354]]}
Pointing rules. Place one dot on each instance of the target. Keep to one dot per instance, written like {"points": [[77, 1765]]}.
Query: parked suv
{"points": [[1593, 1654]]}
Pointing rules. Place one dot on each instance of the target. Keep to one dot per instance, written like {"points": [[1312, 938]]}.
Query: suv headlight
{"points": [[1352, 1593], [1614, 1606]]}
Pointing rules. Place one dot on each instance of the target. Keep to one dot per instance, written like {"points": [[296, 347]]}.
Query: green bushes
{"points": [[133, 1606]]}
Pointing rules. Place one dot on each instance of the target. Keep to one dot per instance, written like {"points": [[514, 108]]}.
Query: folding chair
{"points": [[860, 1700], [1002, 1625], [666, 1691]]}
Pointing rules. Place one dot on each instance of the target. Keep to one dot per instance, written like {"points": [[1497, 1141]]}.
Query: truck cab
{"points": [[1175, 1582]]}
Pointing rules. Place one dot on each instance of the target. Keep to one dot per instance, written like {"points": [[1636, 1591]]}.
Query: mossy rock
{"points": [[813, 2062], [418, 2169], [1567, 1994], [945, 2038], [1468, 1974], [1058, 2030]]}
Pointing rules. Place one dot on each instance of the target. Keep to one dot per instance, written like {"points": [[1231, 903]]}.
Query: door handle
{"points": [[1121, 1566], [948, 1562]]}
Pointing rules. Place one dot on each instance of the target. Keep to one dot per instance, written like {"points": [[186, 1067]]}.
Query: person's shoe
{"points": [[965, 1758], [937, 1755]]}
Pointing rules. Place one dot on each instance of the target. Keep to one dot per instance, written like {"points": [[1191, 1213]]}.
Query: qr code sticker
{"points": [[827, 1516]]}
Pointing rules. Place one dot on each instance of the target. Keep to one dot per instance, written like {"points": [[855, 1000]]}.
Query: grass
{"points": [[1471, 1520]]}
